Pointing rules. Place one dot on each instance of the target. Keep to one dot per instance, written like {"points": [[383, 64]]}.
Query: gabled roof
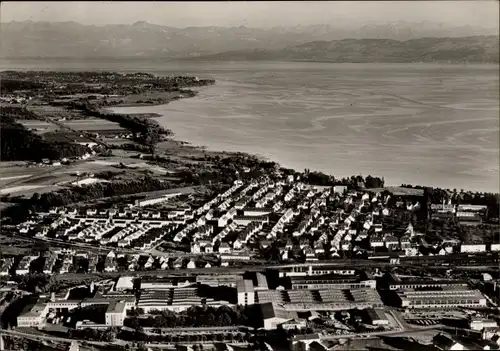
{"points": [[272, 310], [443, 341]]}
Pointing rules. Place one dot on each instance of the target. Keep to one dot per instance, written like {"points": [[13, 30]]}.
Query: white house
{"points": [[480, 324], [473, 248], [444, 342], [273, 315], [191, 264]]}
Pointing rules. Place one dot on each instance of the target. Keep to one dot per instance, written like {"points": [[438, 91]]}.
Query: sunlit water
{"points": [[422, 124]]}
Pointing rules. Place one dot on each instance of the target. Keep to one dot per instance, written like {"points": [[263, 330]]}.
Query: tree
{"points": [[224, 319]]}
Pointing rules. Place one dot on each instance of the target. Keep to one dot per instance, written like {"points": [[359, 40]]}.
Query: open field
{"points": [[19, 180], [18, 189], [94, 124], [56, 112], [182, 151], [153, 168], [400, 191], [14, 177], [10, 172]]}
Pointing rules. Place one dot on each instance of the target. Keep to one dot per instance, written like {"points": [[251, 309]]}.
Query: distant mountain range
{"points": [[478, 49], [337, 42]]}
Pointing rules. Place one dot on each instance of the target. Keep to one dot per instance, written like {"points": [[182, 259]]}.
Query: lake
{"points": [[427, 124]]}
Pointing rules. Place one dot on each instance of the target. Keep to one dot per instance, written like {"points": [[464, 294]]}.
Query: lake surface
{"points": [[424, 124]]}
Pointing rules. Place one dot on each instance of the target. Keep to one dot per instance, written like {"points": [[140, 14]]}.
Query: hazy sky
{"points": [[253, 14]]}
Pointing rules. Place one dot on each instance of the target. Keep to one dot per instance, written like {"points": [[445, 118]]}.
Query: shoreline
{"points": [[152, 128], [173, 139], [205, 148], [190, 93]]}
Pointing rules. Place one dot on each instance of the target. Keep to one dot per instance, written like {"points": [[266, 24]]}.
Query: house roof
{"points": [[244, 286], [376, 314], [317, 346], [116, 307], [301, 337], [272, 310], [443, 341], [33, 310]]}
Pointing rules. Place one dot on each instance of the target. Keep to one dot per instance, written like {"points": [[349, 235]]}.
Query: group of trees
{"points": [[37, 282], [9, 86], [12, 343], [150, 132], [319, 178], [227, 169], [63, 197], [18, 143], [108, 175], [107, 335], [196, 316], [17, 112], [130, 147]]}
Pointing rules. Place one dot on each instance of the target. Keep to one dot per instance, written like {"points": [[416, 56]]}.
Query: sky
{"points": [[253, 14]]}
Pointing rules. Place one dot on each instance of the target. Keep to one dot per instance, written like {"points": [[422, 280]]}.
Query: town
{"points": [[273, 262], [115, 236]]}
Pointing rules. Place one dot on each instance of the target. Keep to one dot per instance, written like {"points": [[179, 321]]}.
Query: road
{"points": [[200, 329], [38, 337], [184, 190], [15, 182], [398, 318], [160, 273], [382, 333], [257, 265], [104, 249]]}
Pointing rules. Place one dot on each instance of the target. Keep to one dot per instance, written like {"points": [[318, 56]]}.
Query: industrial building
{"points": [[156, 200], [115, 313], [314, 269], [458, 297], [273, 315], [397, 284], [175, 299], [377, 316], [246, 292], [321, 300], [331, 282]]}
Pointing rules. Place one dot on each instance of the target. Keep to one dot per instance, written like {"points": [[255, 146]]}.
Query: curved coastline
{"points": [[252, 145], [173, 138]]}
